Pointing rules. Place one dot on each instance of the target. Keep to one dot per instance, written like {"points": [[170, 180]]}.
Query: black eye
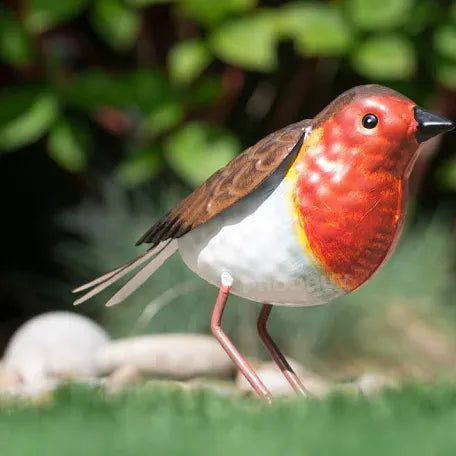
{"points": [[370, 121]]}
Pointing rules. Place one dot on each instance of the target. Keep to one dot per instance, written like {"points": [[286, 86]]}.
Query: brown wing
{"points": [[237, 179]]}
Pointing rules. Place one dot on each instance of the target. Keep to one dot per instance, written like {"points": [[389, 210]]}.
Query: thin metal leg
{"points": [[276, 354], [231, 350]]}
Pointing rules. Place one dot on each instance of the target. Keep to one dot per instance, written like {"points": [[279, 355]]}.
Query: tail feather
{"points": [[156, 256], [108, 275], [140, 277]]}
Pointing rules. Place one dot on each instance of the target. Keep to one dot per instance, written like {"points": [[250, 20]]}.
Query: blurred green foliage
{"points": [[161, 103]]}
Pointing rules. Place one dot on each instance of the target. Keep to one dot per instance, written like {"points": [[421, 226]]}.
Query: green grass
{"points": [[419, 420]]}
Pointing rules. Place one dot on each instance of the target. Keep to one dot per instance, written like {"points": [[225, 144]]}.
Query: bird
{"points": [[309, 213]]}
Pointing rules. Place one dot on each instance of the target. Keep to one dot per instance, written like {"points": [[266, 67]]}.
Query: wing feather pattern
{"points": [[235, 181]]}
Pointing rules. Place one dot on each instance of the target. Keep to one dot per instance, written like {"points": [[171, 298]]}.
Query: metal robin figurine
{"points": [[307, 214]]}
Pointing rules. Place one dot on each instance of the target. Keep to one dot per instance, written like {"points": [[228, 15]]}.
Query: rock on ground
{"points": [[174, 356], [9, 377], [124, 377], [372, 383], [51, 347]]}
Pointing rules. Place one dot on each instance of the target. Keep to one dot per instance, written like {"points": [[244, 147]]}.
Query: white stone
{"points": [[372, 383], [54, 346], [176, 356], [277, 384], [9, 377], [123, 377]]}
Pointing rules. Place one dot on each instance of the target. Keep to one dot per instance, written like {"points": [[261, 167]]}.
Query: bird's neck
{"points": [[348, 206]]}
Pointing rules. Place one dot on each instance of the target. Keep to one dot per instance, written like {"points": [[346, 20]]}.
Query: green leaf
{"points": [[206, 92], [15, 46], [318, 29], [379, 14], [385, 57], [139, 167], [92, 89], [26, 113], [210, 12], [161, 119], [453, 11], [198, 150], [41, 15], [117, 24], [445, 41], [248, 42], [422, 15], [446, 74], [142, 3], [187, 60], [67, 145], [143, 89], [149, 88]]}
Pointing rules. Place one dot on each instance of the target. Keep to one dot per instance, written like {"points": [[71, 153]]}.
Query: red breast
{"points": [[351, 179]]}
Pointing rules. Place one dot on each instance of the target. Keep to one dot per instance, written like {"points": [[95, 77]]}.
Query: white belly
{"points": [[254, 241]]}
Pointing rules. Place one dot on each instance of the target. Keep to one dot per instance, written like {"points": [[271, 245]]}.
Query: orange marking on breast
{"points": [[348, 203], [292, 177]]}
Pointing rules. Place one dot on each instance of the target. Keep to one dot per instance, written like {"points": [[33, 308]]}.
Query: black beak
{"points": [[430, 125]]}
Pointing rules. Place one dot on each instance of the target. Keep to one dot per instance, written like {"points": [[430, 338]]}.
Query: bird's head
{"points": [[378, 125]]}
